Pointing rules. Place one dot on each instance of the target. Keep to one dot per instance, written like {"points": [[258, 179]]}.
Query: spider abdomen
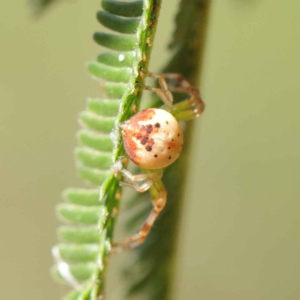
{"points": [[152, 138]]}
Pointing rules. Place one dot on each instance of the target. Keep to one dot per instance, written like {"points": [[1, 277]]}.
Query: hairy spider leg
{"points": [[159, 199]]}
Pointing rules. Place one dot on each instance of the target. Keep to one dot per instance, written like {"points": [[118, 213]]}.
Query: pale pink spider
{"points": [[153, 139]]}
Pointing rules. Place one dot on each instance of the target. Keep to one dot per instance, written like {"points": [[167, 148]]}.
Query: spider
{"points": [[153, 140]]}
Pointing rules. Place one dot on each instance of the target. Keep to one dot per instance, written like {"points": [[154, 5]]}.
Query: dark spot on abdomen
{"points": [[144, 140], [149, 128]]}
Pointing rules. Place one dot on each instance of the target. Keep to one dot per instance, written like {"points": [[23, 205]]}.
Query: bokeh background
{"points": [[239, 238]]}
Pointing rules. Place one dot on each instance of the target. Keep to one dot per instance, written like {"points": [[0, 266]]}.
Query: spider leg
{"points": [[149, 179], [159, 199], [173, 82], [154, 175], [140, 188], [187, 109], [163, 91]]}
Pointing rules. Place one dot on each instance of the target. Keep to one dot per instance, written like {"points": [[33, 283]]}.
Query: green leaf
{"points": [[115, 42], [118, 24], [109, 73], [119, 60], [102, 107], [125, 9], [77, 253], [83, 197], [80, 272], [94, 176], [83, 272], [91, 120], [95, 140], [79, 235], [86, 243], [93, 158], [78, 214], [114, 90]]}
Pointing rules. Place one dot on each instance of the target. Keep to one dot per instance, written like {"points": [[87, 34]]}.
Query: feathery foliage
{"points": [[90, 214], [82, 256]]}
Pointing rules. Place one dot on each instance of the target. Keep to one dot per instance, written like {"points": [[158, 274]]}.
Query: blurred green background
{"points": [[239, 237]]}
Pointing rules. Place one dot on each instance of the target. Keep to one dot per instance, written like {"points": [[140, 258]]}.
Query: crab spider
{"points": [[153, 139]]}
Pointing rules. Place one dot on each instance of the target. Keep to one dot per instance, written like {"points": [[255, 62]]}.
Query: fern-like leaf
{"points": [[90, 214]]}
